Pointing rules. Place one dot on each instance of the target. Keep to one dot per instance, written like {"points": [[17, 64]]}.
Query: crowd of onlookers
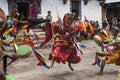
{"points": [[107, 24], [114, 22]]}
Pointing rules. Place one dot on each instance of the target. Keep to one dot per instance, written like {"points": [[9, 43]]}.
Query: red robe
{"points": [[64, 50]]}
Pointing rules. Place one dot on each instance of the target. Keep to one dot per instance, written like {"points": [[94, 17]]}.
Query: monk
{"points": [[64, 49], [114, 55]]}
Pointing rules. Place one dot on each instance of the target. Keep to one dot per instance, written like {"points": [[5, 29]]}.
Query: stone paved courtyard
{"points": [[27, 69]]}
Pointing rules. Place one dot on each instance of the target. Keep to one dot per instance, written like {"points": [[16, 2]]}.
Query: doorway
{"points": [[23, 7], [76, 8]]}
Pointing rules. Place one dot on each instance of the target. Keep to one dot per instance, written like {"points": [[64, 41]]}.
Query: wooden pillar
{"points": [[104, 12]]}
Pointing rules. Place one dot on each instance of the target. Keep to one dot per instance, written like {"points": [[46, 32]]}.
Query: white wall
{"points": [[92, 11], [51, 5], [4, 6]]}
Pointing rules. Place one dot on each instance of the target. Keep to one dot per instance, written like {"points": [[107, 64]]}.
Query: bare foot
{"points": [[51, 66], [99, 73]]}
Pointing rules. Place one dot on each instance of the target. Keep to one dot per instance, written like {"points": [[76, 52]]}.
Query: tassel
{"points": [[77, 46], [41, 59], [36, 36], [16, 47]]}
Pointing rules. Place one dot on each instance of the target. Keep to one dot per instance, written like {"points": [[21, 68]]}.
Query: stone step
{"points": [[39, 33], [37, 30]]}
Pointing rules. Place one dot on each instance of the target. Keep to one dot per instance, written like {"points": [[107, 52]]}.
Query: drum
{"points": [[2, 20], [9, 40], [8, 77], [24, 51], [98, 40]]}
